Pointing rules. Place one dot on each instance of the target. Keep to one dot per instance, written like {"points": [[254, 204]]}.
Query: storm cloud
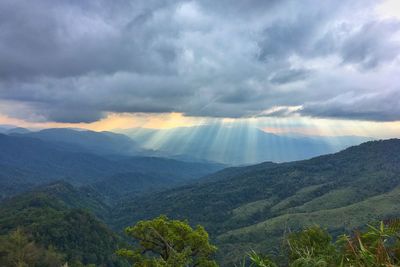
{"points": [[76, 61]]}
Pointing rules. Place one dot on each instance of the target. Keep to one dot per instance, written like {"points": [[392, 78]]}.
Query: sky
{"points": [[312, 67]]}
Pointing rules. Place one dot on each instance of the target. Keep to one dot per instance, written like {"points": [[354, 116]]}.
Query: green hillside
{"points": [[52, 217], [27, 162], [242, 208], [253, 208]]}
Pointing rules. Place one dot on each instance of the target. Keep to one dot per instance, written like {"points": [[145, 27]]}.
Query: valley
{"points": [[243, 208]]}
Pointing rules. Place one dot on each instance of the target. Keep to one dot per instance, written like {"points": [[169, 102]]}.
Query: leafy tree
{"points": [[165, 242], [17, 250], [311, 247]]}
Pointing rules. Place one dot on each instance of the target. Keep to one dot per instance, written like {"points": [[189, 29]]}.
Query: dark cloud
{"points": [[74, 61], [69, 114], [374, 106], [372, 45], [290, 75], [63, 39]]}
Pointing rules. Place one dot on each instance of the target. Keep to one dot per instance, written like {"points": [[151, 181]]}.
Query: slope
{"points": [[251, 207], [49, 217], [26, 162]]}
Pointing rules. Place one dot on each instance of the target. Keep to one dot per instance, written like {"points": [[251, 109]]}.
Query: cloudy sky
{"points": [[161, 63]]}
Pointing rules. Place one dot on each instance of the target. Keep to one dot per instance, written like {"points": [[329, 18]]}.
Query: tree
{"points": [[165, 242], [311, 247], [17, 250]]}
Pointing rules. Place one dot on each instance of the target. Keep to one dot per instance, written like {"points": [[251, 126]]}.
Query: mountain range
{"points": [[236, 144], [55, 180], [226, 144], [102, 143], [27, 162]]}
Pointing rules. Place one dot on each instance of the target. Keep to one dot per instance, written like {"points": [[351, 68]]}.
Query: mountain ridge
{"points": [[237, 144], [101, 143], [319, 186], [30, 161]]}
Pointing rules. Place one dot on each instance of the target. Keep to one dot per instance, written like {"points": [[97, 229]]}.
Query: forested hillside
{"points": [[27, 162], [252, 208], [243, 208], [57, 217]]}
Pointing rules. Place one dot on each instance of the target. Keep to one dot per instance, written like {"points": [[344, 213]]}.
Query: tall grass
{"points": [[376, 246]]}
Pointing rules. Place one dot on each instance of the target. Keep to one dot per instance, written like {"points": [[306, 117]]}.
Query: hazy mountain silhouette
{"points": [[27, 161], [94, 142], [238, 145]]}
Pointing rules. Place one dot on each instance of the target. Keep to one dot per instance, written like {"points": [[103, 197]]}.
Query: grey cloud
{"points": [[372, 44], [241, 8], [70, 115], [54, 38], [288, 76], [75, 61], [373, 106], [63, 99], [302, 31]]}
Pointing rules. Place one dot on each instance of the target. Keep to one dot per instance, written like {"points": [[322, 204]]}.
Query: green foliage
{"points": [[378, 246], [16, 249], [260, 260], [313, 247], [165, 242], [48, 222]]}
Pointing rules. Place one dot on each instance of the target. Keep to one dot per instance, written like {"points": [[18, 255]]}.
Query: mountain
{"points": [[237, 144], [6, 127], [17, 130], [84, 198], [228, 173], [26, 162], [251, 207], [242, 208], [49, 218], [148, 174], [103, 143]]}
